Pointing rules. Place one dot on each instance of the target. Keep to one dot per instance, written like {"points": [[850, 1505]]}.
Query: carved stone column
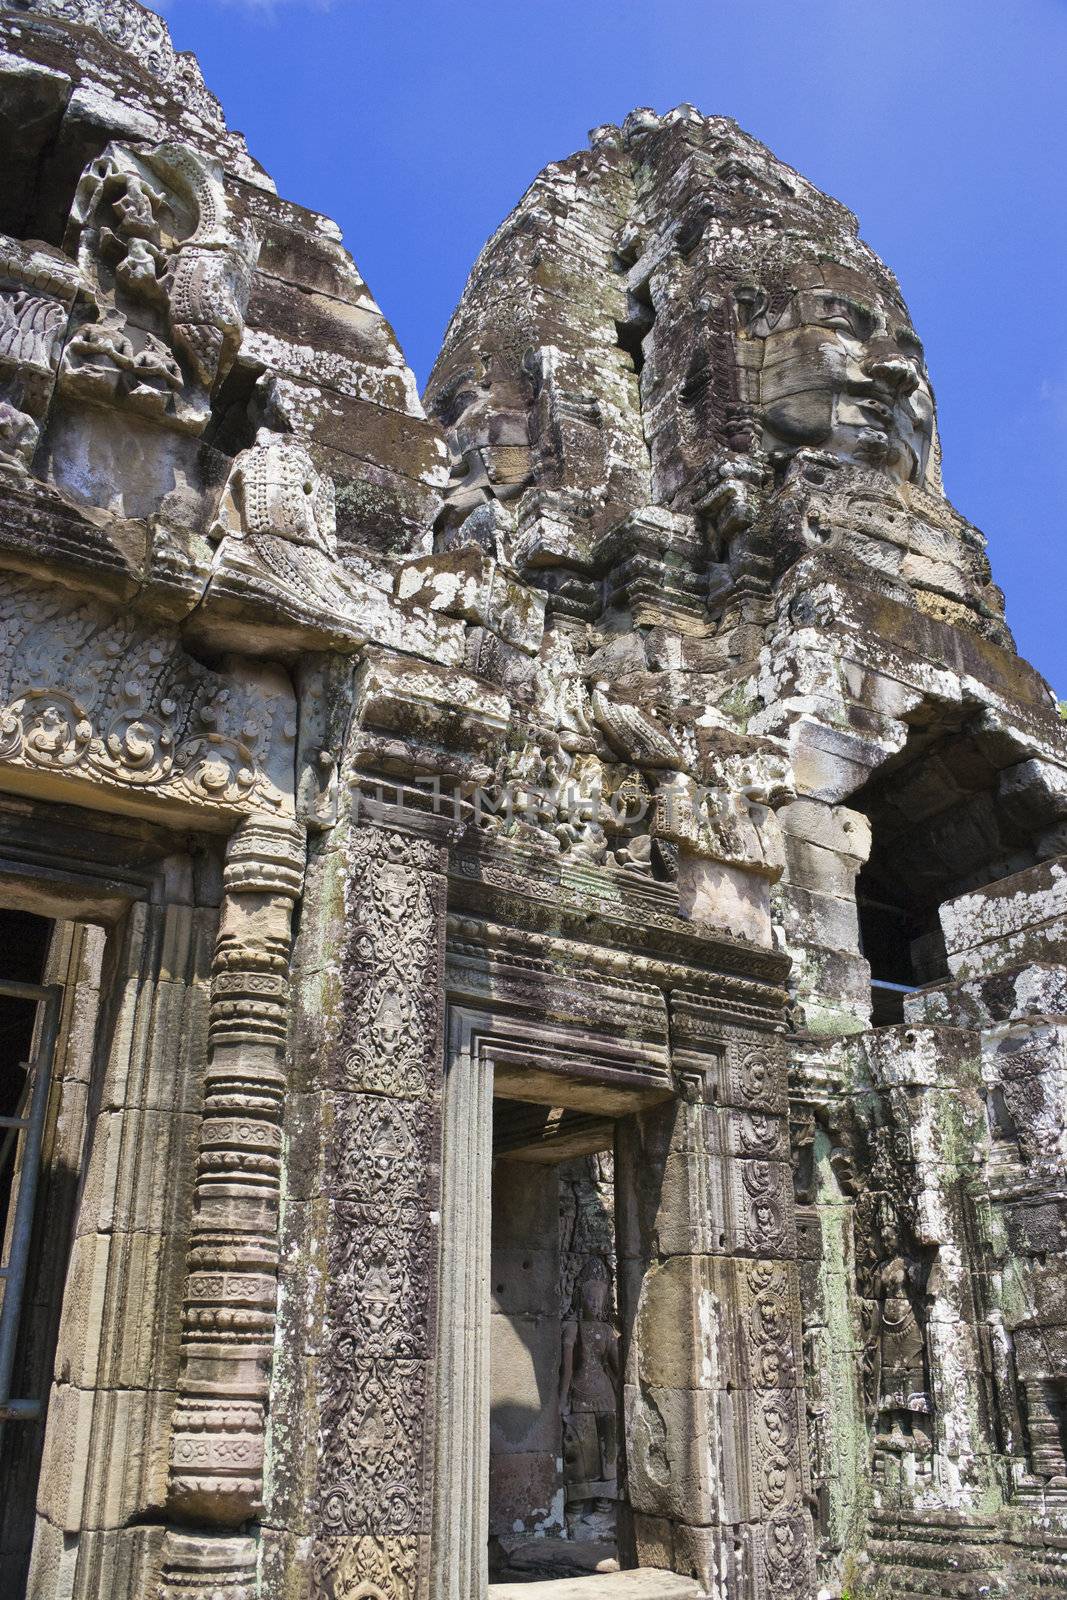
{"points": [[460, 1569], [709, 1297], [216, 1469], [381, 1187]]}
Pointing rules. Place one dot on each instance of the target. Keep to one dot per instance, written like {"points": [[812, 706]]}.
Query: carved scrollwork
{"points": [[379, 1282], [380, 1150], [756, 1076], [389, 1029], [787, 1554], [771, 1325], [371, 1440], [764, 1197], [366, 1568]]}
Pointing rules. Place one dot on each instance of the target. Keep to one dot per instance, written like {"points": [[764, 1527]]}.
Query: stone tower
{"points": [[533, 931]]}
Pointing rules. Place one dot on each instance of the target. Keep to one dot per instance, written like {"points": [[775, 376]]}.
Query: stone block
{"points": [[85, 1306], [919, 1056], [813, 867], [373, 1438], [1010, 923], [763, 1453], [827, 827], [671, 1453], [1037, 1227], [436, 704], [380, 1281], [694, 1553], [1036, 989], [727, 898], [525, 1282], [105, 1456], [469, 584], [811, 917], [142, 1165], [830, 764], [524, 1385], [525, 1206], [640, 1583], [678, 1328], [526, 1493], [116, 1561]]}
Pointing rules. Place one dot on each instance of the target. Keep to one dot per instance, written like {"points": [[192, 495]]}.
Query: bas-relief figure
{"points": [[631, 732], [589, 1392]]}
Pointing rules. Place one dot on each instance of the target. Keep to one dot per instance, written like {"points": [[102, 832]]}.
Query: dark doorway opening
{"points": [[942, 823], [555, 1389]]}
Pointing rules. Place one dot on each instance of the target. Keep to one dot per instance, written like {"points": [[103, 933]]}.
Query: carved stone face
{"points": [[842, 370], [490, 438]]}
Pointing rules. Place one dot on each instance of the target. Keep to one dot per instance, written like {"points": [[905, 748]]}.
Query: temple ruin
{"points": [[533, 921]]}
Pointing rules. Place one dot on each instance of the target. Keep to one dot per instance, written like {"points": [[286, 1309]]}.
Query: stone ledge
{"points": [[643, 1583]]}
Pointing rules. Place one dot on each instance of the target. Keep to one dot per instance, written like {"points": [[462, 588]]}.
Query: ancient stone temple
{"points": [[533, 922]]}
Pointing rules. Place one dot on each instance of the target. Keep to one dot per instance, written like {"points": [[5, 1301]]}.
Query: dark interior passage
{"points": [[554, 1434], [946, 816]]}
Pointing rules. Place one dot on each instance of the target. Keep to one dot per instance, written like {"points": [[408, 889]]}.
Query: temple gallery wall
{"points": [[533, 920]]}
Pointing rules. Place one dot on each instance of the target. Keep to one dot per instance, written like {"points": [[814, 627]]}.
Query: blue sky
{"points": [[417, 124]]}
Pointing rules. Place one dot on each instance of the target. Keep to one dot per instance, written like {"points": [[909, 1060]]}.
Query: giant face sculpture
{"points": [[841, 370], [489, 434]]}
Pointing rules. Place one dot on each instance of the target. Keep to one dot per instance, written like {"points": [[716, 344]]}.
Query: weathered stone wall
{"points": [[635, 741]]}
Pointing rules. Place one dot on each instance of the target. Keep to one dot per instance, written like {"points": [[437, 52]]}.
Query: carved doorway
{"points": [[524, 1102]]}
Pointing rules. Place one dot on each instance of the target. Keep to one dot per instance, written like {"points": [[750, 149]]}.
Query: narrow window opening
{"points": [[630, 333], [28, 1019], [23, 948], [1046, 1425]]}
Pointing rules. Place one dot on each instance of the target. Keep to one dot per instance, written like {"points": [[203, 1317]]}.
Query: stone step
{"points": [[913, 1583], [919, 1570], [934, 1556], [642, 1583]]}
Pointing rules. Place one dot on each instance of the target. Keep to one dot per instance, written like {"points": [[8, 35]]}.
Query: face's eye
{"points": [[847, 317], [453, 405], [910, 344]]}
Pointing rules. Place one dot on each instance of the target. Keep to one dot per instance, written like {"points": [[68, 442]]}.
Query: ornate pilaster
{"points": [[715, 1449], [216, 1462], [376, 1379]]}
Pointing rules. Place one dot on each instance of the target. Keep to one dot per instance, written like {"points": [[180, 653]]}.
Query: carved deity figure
{"points": [[166, 271], [34, 286], [900, 1382], [588, 1397]]}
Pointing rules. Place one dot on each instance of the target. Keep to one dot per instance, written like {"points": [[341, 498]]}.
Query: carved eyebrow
{"points": [[833, 297], [909, 336]]}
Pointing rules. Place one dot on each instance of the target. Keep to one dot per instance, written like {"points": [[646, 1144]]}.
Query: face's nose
{"points": [[894, 372]]}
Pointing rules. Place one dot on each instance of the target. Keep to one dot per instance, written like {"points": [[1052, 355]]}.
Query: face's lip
{"points": [[879, 411], [871, 391]]}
